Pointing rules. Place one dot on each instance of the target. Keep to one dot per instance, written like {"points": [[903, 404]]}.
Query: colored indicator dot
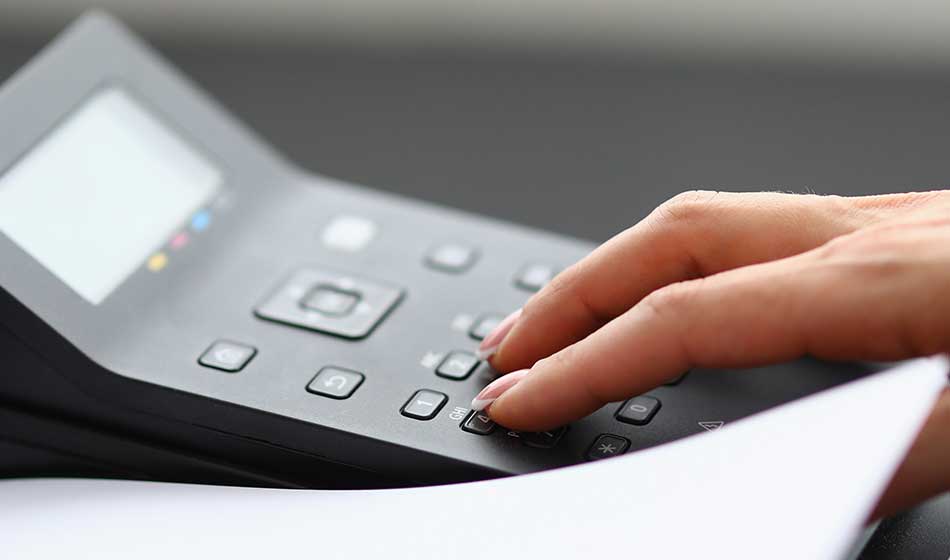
{"points": [[157, 262], [179, 241], [201, 220]]}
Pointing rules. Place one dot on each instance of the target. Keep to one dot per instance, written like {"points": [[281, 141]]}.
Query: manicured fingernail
{"points": [[490, 344], [496, 388]]}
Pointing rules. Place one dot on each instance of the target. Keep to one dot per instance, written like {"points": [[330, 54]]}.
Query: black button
{"points": [[336, 383], [457, 365], [676, 380], [535, 276], [543, 440], [330, 301], [424, 404], [484, 326], [227, 356], [451, 257], [638, 410], [607, 445], [479, 423]]}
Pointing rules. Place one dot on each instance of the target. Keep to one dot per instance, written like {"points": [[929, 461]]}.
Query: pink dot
{"points": [[179, 240]]}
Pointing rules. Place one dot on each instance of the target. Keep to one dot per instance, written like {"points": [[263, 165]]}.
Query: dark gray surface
{"points": [[582, 145]]}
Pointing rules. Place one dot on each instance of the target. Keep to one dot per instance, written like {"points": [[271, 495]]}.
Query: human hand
{"points": [[723, 280]]}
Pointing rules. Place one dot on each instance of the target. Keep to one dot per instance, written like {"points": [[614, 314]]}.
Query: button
{"points": [[348, 233], [535, 276], [330, 301], [606, 446], [336, 383], [484, 326], [424, 404], [543, 440], [457, 365], [638, 410], [479, 423], [451, 257], [227, 356]]}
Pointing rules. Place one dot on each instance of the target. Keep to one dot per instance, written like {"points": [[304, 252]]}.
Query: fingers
{"points": [[859, 297], [695, 234]]}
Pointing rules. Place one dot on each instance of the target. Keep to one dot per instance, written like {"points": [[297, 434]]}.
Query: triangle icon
{"points": [[710, 426]]}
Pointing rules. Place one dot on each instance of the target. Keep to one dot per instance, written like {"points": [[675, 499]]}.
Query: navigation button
{"points": [[606, 446], [227, 356], [424, 404], [452, 257], [336, 383], [330, 301], [479, 423], [638, 410], [457, 365]]}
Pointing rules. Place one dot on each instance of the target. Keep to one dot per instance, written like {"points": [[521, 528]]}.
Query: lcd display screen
{"points": [[109, 185]]}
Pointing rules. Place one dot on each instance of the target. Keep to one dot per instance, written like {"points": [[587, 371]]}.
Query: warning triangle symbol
{"points": [[710, 426]]}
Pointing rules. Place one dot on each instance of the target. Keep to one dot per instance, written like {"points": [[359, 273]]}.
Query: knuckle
{"points": [[685, 207], [671, 299]]}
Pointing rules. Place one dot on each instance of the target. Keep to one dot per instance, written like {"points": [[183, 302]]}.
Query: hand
{"points": [[722, 280]]}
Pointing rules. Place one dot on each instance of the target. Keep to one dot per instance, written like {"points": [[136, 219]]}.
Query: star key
{"points": [[606, 446]]}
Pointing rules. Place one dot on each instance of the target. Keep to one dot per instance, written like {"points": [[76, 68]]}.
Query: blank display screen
{"points": [[104, 189]]}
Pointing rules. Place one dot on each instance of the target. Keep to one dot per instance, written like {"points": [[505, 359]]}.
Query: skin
{"points": [[725, 280]]}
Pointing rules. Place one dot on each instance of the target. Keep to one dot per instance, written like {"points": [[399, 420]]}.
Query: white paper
{"points": [[796, 482]]}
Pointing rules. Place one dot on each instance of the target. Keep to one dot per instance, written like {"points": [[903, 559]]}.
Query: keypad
{"points": [[330, 302], [336, 383], [478, 423], [457, 365], [484, 325], [424, 404], [638, 410], [606, 446], [227, 356], [535, 276], [451, 257]]}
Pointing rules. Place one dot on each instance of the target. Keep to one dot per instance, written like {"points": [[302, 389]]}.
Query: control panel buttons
{"points": [[424, 404], [227, 356], [478, 423], [457, 365], [336, 383], [542, 440], [607, 446], [451, 257], [348, 233], [330, 302], [533, 277], [638, 410], [484, 325]]}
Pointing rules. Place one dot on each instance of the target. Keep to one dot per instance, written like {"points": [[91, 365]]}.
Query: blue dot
{"points": [[201, 220]]}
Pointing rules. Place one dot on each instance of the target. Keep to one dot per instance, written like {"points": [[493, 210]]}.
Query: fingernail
{"points": [[490, 344], [496, 388]]}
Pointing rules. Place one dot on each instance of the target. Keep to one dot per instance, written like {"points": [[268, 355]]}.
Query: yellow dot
{"points": [[157, 262]]}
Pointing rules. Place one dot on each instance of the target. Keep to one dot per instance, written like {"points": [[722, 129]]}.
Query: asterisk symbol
{"points": [[607, 448]]}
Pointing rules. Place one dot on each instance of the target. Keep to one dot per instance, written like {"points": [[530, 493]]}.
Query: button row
{"points": [[481, 424], [455, 258]]}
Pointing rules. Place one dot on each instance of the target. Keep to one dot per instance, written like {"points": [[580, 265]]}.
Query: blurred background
{"points": [[572, 116], [577, 117]]}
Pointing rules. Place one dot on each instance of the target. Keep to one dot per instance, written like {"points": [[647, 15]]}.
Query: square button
{"points": [[638, 410], [484, 326], [452, 257], [330, 301], [424, 404], [227, 356], [348, 233], [478, 423], [543, 440], [535, 276], [457, 365], [606, 446], [336, 383]]}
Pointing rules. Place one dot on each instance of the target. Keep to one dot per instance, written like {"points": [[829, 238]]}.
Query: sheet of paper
{"points": [[794, 482]]}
